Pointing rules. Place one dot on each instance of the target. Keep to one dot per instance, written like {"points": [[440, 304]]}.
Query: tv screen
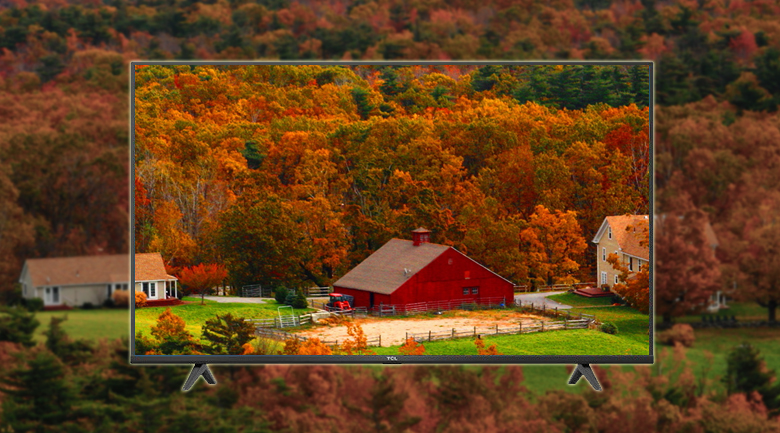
{"points": [[392, 212]]}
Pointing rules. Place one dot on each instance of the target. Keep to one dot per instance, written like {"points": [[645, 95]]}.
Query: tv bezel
{"points": [[394, 359]]}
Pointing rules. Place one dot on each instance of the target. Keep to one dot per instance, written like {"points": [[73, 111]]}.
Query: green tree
{"points": [[38, 396], [17, 325], [227, 334]]}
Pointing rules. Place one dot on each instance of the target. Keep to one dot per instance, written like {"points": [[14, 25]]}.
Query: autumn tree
{"points": [[633, 286], [357, 344], [172, 335], [411, 347], [553, 244], [201, 279], [687, 272]]}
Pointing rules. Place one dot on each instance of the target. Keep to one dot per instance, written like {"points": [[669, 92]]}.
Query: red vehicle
{"points": [[340, 303]]}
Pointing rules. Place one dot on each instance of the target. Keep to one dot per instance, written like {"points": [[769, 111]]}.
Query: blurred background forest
{"points": [[64, 85]]}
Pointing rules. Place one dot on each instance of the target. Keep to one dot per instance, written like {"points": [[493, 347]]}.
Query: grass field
{"points": [[575, 342], [632, 326], [580, 301], [195, 314], [87, 324]]}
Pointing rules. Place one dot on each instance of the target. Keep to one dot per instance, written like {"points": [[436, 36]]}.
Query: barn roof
{"points": [[384, 271], [79, 270], [150, 267]]}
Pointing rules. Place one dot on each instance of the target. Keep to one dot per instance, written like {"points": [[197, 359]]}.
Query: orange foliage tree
{"points": [[633, 287], [411, 347], [202, 279], [357, 344], [491, 350]]}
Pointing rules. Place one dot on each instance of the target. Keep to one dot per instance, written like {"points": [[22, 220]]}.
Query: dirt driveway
{"points": [[393, 331]]}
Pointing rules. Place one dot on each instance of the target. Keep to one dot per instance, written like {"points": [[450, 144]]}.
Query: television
{"points": [[425, 212]]}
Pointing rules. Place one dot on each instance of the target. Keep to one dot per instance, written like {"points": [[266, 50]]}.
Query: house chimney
{"points": [[420, 236]]}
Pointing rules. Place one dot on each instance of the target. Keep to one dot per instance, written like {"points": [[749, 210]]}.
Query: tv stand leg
{"points": [[197, 371], [585, 370]]}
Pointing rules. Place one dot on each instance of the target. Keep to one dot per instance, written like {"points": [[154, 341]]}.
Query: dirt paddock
{"points": [[393, 331]]}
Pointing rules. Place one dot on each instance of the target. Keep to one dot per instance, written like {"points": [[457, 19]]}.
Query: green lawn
{"points": [[195, 314], [87, 324], [573, 342], [580, 301]]}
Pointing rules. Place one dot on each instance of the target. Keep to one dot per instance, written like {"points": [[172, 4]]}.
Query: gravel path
{"points": [[540, 298], [234, 299]]}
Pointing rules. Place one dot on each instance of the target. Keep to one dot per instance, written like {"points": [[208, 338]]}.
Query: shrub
{"points": [[609, 328], [280, 294], [300, 300], [140, 299], [108, 303], [227, 334], [87, 306], [17, 326], [121, 298], [33, 304], [681, 333]]}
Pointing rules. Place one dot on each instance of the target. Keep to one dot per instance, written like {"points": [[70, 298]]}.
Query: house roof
{"points": [[80, 270], [384, 271], [150, 267], [627, 231]]}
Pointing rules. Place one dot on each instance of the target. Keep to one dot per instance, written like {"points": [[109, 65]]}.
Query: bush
{"points": [[609, 328], [87, 306], [681, 333], [140, 299], [300, 300], [33, 304], [121, 298], [280, 294]]}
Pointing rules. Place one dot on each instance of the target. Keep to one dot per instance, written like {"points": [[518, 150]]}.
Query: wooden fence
{"points": [[318, 292], [497, 330], [554, 287], [283, 322], [275, 334], [541, 308], [425, 307], [255, 291]]}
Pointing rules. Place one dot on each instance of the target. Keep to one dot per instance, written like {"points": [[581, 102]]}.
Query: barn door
{"points": [[370, 300]]}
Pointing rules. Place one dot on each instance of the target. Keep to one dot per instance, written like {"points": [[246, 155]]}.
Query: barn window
{"points": [[449, 262], [465, 290], [474, 290], [467, 275]]}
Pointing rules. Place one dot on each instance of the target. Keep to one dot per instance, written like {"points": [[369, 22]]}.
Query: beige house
{"points": [[152, 278], [75, 281], [622, 235]]}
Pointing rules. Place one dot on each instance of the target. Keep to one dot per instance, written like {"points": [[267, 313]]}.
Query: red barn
{"points": [[405, 272]]}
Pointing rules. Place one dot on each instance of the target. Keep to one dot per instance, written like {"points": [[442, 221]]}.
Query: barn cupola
{"points": [[420, 236]]}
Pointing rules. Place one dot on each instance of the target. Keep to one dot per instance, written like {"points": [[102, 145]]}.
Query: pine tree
{"points": [[37, 395], [227, 334], [17, 325]]}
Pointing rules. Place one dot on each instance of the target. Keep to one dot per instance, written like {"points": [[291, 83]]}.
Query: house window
{"points": [[631, 264], [465, 290], [616, 279], [639, 265], [109, 290], [604, 254], [145, 287], [603, 278], [609, 232], [152, 290], [474, 290]]}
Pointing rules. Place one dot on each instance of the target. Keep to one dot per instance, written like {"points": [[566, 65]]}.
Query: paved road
{"points": [[540, 298]]}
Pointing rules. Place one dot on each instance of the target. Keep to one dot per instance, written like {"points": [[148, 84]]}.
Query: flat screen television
{"points": [[392, 213]]}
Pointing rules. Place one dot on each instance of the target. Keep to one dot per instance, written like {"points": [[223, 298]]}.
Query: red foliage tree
{"points": [[201, 279], [686, 269]]}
